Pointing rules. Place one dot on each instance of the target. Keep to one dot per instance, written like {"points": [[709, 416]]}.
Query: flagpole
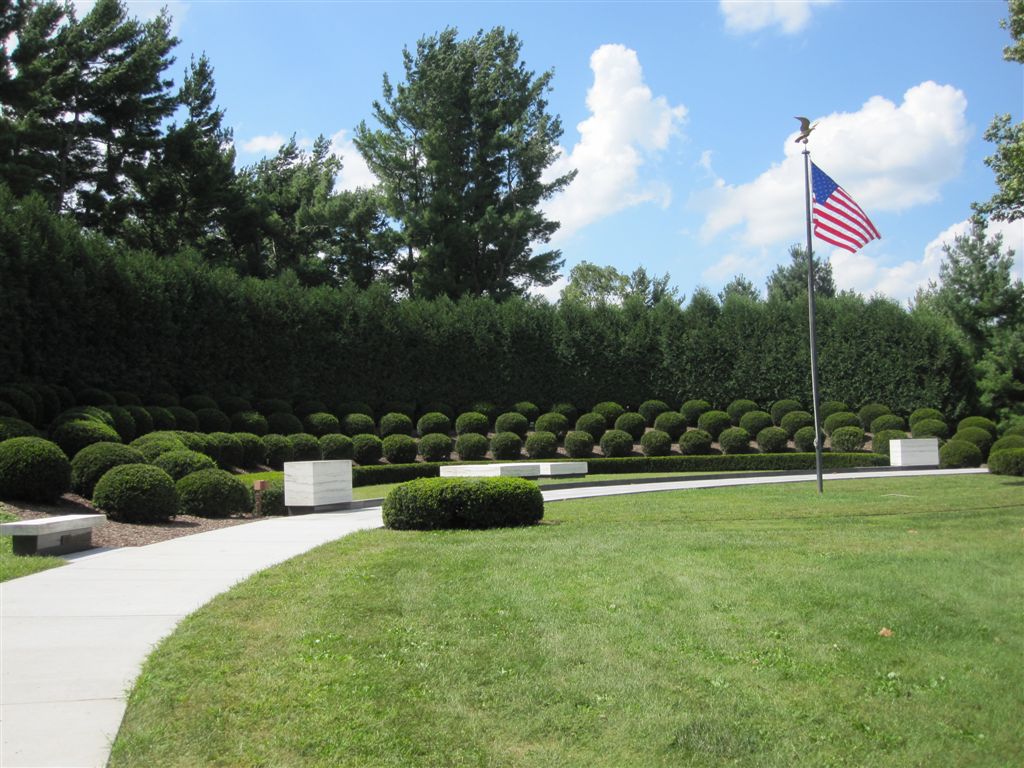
{"points": [[815, 396]]}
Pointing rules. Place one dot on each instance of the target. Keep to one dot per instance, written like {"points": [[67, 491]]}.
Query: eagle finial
{"points": [[805, 129]]}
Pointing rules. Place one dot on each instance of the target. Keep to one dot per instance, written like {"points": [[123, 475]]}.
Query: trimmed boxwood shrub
{"points": [[73, 436], [184, 419], [136, 493], [124, 424], [1017, 429], [273, 405], [252, 422], [488, 409], [761, 462], [283, 424], [921, 414], [155, 443], [305, 447], [656, 443], [33, 469], [982, 438], [847, 439], [198, 402], [434, 423], [610, 410], [956, 454], [737, 408], [456, 502], [126, 398], [435, 446], [651, 410], [616, 442], [568, 410], [334, 446], [593, 424], [211, 420], [795, 420], [367, 449], [542, 445], [930, 428], [84, 413], [438, 407], [472, 422], [233, 404], [471, 446], [162, 418], [225, 449], [93, 461], [755, 421], [14, 427], [95, 396], [272, 498], [555, 423], [399, 406], [399, 449], [1007, 462], [21, 402], [881, 439], [8, 410], [213, 493], [734, 440], [513, 422], [527, 409], [773, 440], [309, 406], [887, 421], [713, 422], [803, 439], [353, 424], [829, 407], [143, 421], [979, 422], [254, 452], [579, 444], [341, 410], [197, 441], [868, 413], [781, 407], [841, 419], [395, 423], [506, 446], [279, 450], [321, 423], [164, 399], [671, 423], [632, 424], [695, 442], [692, 410], [177, 464], [1006, 443]]}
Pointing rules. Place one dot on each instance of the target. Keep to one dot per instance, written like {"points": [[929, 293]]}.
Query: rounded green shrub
{"points": [[177, 464], [438, 407], [226, 449], [21, 402], [734, 440], [695, 442], [755, 421], [713, 422], [184, 419], [48, 402], [283, 424], [472, 422], [579, 444], [803, 439], [488, 409], [847, 439], [829, 407], [982, 438], [433, 423], [692, 410], [1007, 462], [33, 469], [527, 409], [273, 405], [979, 422], [921, 414], [651, 410], [124, 422], [795, 420], [1006, 443], [305, 447], [609, 410], [163, 419], [164, 399], [471, 446], [930, 428], [568, 410], [279, 450], [737, 408], [593, 424], [887, 421], [399, 449], [395, 423], [632, 424], [435, 503], [143, 421], [271, 498], [542, 445], [198, 402], [354, 424], [125, 399], [335, 446], [213, 493], [136, 493], [14, 427], [211, 420], [9, 411], [73, 436], [321, 423], [95, 396], [93, 461], [399, 406], [773, 440], [435, 446], [656, 443], [555, 423], [67, 399], [84, 413], [880, 440], [197, 441], [868, 413], [671, 423], [232, 404], [957, 454], [252, 422], [341, 410], [838, 420], [1013, 429], [156, 443], [254, 453], [506, 446], [616, 442], [513, 422], [781, 407], [367, 449], [309, 406]]}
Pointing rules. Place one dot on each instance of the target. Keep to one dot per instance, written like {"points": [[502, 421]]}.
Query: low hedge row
{"points": [[455, 502]]}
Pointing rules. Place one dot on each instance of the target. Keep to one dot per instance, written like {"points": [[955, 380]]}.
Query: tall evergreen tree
{"points": [[789, 281]]}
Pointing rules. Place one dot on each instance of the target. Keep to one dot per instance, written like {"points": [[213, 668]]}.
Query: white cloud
{"points": [[731, 265], [888, 157], [627, 124], [264, 144], [355, 173], [552, 292], [753, 15]]}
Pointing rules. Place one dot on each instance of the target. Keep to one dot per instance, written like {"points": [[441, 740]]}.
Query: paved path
{"points": [[74, 638]]}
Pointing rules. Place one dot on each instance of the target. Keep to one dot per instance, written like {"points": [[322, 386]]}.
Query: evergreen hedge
{"points": [[456, 502]]}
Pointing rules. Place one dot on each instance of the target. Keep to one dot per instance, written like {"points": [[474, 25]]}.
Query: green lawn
{"points": [[11, 566], [731, 626]]}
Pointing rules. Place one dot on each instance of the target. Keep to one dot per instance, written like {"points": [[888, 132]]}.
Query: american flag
{"points": [[837, 218]]}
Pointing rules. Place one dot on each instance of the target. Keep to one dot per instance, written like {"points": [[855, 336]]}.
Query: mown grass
{"points": [[15, 566], [731, 626]]}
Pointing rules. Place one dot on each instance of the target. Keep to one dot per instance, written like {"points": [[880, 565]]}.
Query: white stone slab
{"points": [[43, 525], [317, 483], [921, 452], [562, 468], [517, 469]]}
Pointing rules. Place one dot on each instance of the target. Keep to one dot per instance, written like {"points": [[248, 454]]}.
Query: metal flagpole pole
{"points": [[815, 397]]}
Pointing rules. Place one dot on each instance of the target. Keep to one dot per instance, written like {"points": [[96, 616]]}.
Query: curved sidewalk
{"points": [[74, 638]]}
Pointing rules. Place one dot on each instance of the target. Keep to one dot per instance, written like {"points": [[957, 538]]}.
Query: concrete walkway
{"points": [[74, 638]]}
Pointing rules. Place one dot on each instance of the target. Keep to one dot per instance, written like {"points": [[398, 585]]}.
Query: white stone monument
{"points": [[317, 486], [921, 452]]}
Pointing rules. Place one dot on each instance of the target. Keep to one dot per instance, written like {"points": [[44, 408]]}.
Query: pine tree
{"points": [[789, 281]]}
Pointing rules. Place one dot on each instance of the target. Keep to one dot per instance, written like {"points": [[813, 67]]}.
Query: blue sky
{"points": [[678, 115]]}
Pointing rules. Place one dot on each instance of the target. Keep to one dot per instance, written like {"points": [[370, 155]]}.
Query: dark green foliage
{"points": [[1007, 462], [403, 407], [95, 396], [555, 423], [455, 502], [506, 446], [155, 443], [21, 402], [734, 440], [528, 409], [366, 449], [162, 418], [13, 427], [888, 421], [795, 420], [177, 464], [321, 423], [73, 436], [773, 440], [737, 408], [433, 423], [542, 445], [514, 422], [286, 424], [631, 423], [211, 420], [435, 446], [83, 412], [781, 407], [335, 446], [353, 424], [656, 443], [750, 462], [471, 422], [956, 454], [307, 407], [164, 399], [755, 421], [921, 414], [979, 422], [1014, 430], [979, 437], [197, 441], [615, 442], [437, 407], [213, 493], [271, 498], [254, 453], [695, 442], [9, 411], [930, 428], [788, 282], [840, 419], [93, 461], [829, 407], [233, 404], [143, 421], [672, 423], [394, 423], [803, 439], [399, 449], [33, 469], [592, 423], [279, 450], [226, 449], [579, 444], [249, 421], [868, 413], [566, 409], [341, 410], [488, 409], [713, 422], [881, 439], [609, 410], [471, 446], [305, 447], [272, 405], [1007, 442], [652, 409], [186, 420], [136, 493], [198, 402], [847, 439]]}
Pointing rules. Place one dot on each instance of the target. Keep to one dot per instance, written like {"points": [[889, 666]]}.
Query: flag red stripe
{"points": [[850, 217], [844, 246], [844, 196], [839, 234], [853, 227]]}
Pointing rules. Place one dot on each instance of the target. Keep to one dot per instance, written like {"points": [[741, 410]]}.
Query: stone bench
{"points": [[517, 469], [52, 535]]}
